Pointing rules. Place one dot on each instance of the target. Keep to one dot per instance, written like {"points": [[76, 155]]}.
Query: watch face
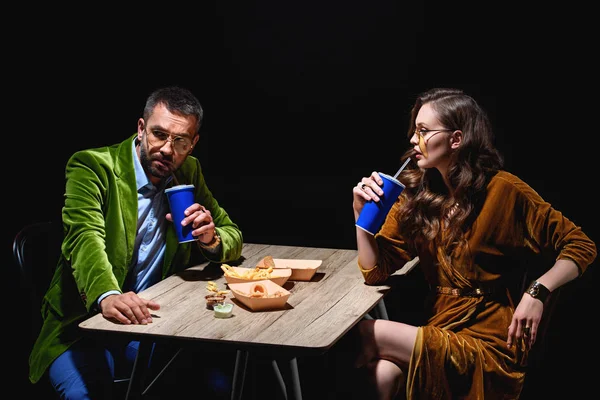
{"points": [[534, 291]]}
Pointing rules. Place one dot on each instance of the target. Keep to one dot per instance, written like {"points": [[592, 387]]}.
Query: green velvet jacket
{"points": [[100, 223]]}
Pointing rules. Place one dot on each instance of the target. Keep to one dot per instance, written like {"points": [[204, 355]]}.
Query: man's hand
{"points": [[128, 308], [201, 220]]}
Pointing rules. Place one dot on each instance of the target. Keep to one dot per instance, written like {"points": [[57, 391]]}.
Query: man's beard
{"points": [[146, 162]]}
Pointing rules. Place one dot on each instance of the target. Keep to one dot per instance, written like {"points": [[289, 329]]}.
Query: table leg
{"points": [[279, 377], [295, 379], [382, 310], [294, 376], [138, 373], [239, 374]]}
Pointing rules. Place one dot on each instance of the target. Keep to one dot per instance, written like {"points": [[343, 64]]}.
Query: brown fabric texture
{"points": [[461, 352]]}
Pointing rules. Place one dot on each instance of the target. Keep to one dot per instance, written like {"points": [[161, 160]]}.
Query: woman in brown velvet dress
{"points": [[474, 227]]}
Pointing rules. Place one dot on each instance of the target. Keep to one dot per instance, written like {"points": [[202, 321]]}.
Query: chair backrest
{"points": [[36, 249]]}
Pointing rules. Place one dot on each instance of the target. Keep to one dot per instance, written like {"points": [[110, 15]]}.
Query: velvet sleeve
{"points": [[545, 231], [86, 200], [393, 249]]}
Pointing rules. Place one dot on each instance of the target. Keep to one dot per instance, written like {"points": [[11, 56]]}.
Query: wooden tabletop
{"points": [[318, 312]]}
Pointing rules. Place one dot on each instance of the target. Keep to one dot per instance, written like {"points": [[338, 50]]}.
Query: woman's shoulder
{"points": [[506, 179], [504, 183]]}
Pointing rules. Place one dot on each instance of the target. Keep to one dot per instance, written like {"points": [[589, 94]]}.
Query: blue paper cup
{"points": [[181, 197], [373, 214]]}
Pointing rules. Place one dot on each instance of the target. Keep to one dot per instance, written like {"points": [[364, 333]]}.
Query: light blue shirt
{"points": [[149, 247]]}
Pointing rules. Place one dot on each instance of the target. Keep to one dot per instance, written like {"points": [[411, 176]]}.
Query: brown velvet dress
{"points": [[461, 352]]}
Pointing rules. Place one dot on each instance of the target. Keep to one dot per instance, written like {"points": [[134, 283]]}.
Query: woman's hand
{"points": [[525, 321], [369, 188]]}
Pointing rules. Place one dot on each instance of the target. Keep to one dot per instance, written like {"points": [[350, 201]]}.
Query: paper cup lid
{"points": [[391, 178], [179, 187]]}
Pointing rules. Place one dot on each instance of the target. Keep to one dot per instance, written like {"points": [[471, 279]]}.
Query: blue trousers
{"points": [[88, 368]]}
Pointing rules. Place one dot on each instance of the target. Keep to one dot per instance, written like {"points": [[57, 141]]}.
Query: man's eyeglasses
{"points": [[180, 144], [422, 132]]}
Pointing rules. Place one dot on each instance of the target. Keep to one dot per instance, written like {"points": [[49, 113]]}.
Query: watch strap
{"points": [[538, 291], [213, 244]]}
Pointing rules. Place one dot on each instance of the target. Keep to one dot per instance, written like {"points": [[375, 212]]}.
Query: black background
{"points": [[302, 100]]}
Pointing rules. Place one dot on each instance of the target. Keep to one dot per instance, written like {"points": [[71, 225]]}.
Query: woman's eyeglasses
{"points": [[422, 132]]}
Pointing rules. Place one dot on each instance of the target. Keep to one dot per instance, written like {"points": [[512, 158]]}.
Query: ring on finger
{"points": [[363, 186]]}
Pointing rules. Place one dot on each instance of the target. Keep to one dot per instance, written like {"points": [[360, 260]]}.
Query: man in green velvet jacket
{"points": [[119, 239]]}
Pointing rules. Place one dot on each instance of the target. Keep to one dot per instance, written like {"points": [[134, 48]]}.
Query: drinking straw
{"points": [[402, 167], [175, 180]]}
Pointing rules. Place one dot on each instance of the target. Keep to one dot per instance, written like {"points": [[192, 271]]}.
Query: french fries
{"points": [[256, 273], [212, 287]]}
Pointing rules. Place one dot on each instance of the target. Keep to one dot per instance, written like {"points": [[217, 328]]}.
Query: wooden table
{"points": [[318, 313]]}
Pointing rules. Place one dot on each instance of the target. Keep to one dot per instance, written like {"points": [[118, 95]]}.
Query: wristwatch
{"points": [[214, 243], [538, 291]]}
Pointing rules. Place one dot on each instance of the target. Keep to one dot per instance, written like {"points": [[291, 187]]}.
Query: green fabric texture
{"points": [[99, 222]]}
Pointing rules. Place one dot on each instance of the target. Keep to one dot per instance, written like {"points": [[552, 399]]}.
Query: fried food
{"points": [[258, 290], [250, 273], [266, 262], [212, 287]]}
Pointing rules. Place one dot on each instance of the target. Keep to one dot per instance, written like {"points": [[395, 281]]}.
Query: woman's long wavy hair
{"points": [[472, 165]]}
